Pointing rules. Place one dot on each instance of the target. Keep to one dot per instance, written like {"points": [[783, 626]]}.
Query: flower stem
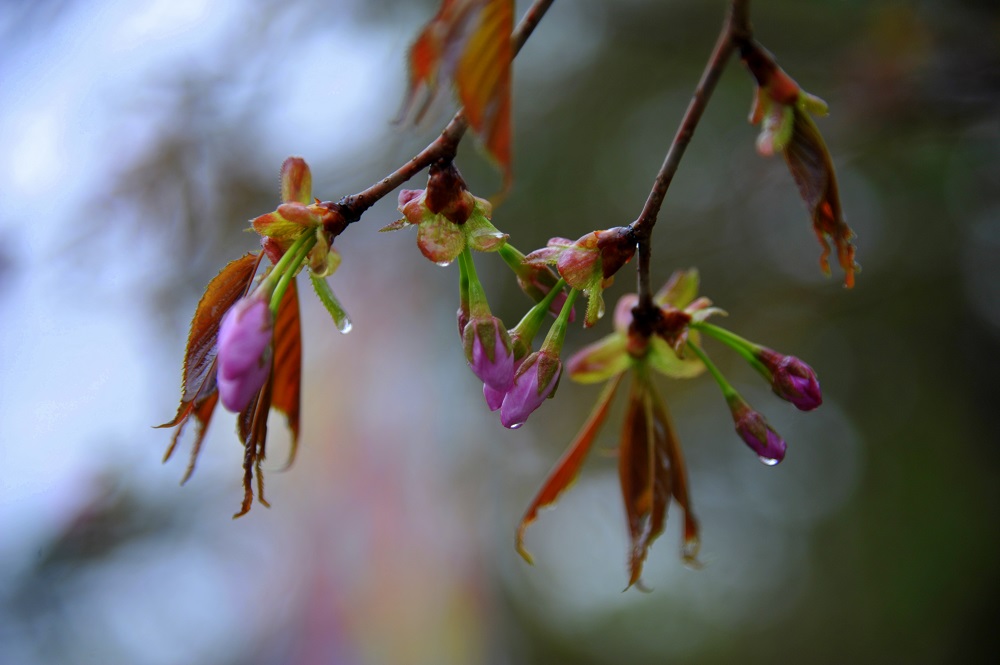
{"points": [[557, 333], [529, 325], [742, 346], [286, 271], [727, 389], [479, 307]]}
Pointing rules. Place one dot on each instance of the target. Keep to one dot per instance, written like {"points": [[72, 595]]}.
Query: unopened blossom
{"points": [[244, 359], [488, 352], [757, 433], [792, 379], [534, 382]]}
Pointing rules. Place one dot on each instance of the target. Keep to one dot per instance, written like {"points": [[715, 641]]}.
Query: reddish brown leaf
{"points": [[251, 426], [812, 168], [282, 391], [644, 472], [468, 41], [568, 467], [670, 449], [483, 79], [199, 359], [198, 389], [288, 364]]}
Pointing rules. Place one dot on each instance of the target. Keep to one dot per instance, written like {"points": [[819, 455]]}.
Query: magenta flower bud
{"points": [[792, 379], [489, 352], [756, 433], [493, 396], [244, 352], [535, 381]]}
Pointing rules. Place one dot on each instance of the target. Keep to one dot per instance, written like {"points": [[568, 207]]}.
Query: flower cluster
{"points": [[245, 348], [665, 339]]}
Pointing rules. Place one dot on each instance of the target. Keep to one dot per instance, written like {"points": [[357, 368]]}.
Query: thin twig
{"points": [[444, 146], [735, 30]]}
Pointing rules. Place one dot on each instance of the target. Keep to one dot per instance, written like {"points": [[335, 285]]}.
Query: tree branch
{"points": [[735, 31], [444, 146]]}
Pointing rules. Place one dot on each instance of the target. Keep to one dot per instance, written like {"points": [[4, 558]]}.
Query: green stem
{"points": [[727, 389], [480, 308], [463, 284], [557, 333], [288, 269], [742, 346], [530, 324]]}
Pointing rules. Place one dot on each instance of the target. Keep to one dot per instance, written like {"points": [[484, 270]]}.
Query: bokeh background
{"points": [[139, 137]]}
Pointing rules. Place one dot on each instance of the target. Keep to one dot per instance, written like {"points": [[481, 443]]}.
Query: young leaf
{"points": [[329, 300], [282, 392], [287, 369], [468, 42], [199, 359], [812, 168], [644, 473], [199, 395], [483, 79], [568, 467]]}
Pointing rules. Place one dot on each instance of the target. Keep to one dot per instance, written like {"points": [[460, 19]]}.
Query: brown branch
{"points": [[444, 146], [735, 31]]}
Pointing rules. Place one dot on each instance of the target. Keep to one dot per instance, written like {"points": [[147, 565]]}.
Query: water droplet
{"points": [[770, 461], [515, 426], [443, 264], [344, 325]]}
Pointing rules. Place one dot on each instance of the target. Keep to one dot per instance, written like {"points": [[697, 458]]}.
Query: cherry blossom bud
{"points": [[493, 396], [489, 353], [756, 433], [244, 352], [792, 379], [535, 381]]}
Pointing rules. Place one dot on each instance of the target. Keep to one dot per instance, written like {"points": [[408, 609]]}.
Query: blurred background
{"points": [[138, 139]]}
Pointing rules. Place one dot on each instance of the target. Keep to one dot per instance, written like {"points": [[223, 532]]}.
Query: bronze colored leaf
{"points": [[287, 369], [670, 449], [468, 41], [483, 79], [812, 168], [199, 359], [198, 388], [644, 472], [251, 426], [568, 467], [282, 391]]}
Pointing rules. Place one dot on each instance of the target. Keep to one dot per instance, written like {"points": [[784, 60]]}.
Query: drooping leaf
{"points": [[199, 395], [568, 467], [251, 426], [644, 473], [282, 391], [670, 448], [483, 79], [333, 306], [468, 42], [812, 168], [199, 358], [287, 370]]}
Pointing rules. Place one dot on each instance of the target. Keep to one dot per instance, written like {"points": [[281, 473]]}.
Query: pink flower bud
{"points": [[757, 434], [489, 353], [792, 379], [244, 352], [534, 382]]}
